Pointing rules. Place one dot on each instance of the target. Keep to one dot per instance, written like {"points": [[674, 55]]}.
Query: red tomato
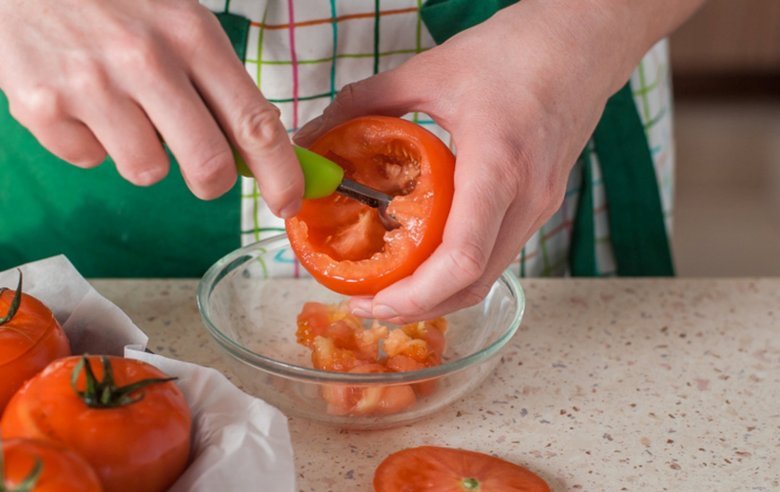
{"points": [[45, 467], [452, 470], [342, 242], [134, 428], [30, 338]]}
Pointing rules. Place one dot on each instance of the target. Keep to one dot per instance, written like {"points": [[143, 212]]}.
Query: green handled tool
{"points": [[323, 177]]}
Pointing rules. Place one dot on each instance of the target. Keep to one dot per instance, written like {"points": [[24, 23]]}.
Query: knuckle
{"points": [[259, 130], [345, 98], [209, 168], [141, 55], [556, 199], [194, 24], [474, 294], [283, 194], [468, 261], [549, 195], [415, 307], [39, 104], [89, 79]]}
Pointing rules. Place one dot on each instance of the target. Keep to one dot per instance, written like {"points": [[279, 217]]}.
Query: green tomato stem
{"points": [[470, 484], [106, 394], [30, 481], [15, 302]]}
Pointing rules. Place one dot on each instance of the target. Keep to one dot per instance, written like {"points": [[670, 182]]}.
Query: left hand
{"points": [[521, 96]]}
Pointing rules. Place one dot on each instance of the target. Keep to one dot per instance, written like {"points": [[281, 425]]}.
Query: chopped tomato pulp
{"points": [[339, 342], [342, 242]]}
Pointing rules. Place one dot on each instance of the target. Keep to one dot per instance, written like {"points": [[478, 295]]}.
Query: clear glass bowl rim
{"points": [[239, 257]]}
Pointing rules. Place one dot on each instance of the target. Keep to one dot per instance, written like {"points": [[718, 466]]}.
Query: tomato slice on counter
{"points": [[430, 468], [40, 466], [30, 338], [126, 418], [342, 242]]}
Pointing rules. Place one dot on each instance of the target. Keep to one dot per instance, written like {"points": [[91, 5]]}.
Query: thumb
{"points": [[390, 93]]}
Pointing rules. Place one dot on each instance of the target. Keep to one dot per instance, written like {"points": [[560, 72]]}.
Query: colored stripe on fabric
{"points": [[338, 56], [377, 18], [366, 15], [418, 48], [255, 189], [259, 61], [301, 98], [294, 58], [335, 28]]}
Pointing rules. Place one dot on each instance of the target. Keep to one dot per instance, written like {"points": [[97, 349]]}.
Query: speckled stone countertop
{"points": [[610, 385]]}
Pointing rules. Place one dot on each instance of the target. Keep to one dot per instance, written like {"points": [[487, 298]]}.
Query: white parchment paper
{"points": [[239, 442]]}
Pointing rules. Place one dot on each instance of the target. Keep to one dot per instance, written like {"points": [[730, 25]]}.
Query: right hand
{"points": [[91, 77]]}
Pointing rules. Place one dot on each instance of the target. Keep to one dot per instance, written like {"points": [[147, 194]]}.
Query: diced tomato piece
{"points": [[327, 357], [404, 363], [367, 340], [432, 333], [369, 399], [398, 342], [330, 321]]}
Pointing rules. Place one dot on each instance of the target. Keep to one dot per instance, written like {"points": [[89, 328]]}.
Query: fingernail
{"points": [[290, 210], [361, 313], [360, 307], [149, 177], [309, 129], [383, 312]]}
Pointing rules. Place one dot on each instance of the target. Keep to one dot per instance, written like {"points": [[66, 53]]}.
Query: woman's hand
{"points": [[90, 77], [521, 94]]}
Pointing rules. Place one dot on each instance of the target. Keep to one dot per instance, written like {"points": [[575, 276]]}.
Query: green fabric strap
{"points": [[237, 29], [636, 219], [582, 258], [446, 18], [637, 227]]}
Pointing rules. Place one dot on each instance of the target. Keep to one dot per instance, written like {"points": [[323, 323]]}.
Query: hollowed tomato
{"points": [[342, 242]]}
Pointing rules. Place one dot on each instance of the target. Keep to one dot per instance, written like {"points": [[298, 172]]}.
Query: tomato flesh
{"points": [[340, 342], [342, 242], [430, 468]]}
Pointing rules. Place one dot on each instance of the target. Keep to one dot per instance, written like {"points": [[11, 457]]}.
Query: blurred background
{"points": [[726, 74]]}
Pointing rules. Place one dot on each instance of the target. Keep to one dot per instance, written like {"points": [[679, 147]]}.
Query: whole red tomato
{"points": [[124, 416], [430, 468], [40, 466], [30, 338], [342, 242]]}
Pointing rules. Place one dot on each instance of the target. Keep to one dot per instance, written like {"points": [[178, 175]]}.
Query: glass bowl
{"points": [[249, 301]]}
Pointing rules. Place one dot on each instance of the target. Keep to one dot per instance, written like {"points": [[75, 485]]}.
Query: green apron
{"points": [[110, 228]]}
